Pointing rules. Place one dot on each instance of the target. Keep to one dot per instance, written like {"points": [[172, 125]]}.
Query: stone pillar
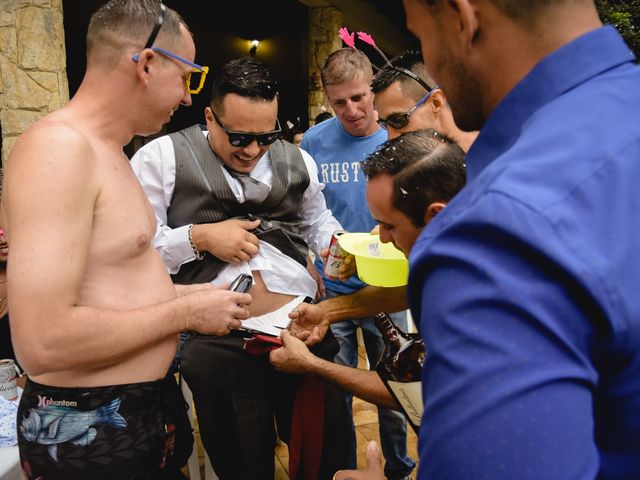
{"points": [[33, 79], [324, 23]]}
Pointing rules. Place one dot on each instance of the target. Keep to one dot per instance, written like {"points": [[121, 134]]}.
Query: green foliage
{"points": [[625, 16]]}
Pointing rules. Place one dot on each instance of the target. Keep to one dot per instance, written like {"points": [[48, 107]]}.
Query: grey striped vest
{"points": [[202, 195]]}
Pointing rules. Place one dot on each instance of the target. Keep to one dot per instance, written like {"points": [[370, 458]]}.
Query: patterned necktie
{"points": [[254, 190]]}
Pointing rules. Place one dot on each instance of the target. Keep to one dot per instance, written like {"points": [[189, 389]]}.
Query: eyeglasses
{"points": [[401, 120], [242, 139], [199, 70]]}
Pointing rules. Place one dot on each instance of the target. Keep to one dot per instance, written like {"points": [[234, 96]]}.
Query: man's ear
{"points": [[208, 114], [145, 59], [208, 117], [437, 101], [466, 18], [432, 210]]}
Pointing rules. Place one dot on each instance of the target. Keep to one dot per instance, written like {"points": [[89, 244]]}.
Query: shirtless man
{"points": [[233, 198], [95, 317]]}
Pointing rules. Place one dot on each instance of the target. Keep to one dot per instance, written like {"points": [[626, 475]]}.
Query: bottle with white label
{"points": [[400, 367]]}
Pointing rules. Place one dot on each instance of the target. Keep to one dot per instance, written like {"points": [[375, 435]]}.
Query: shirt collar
{"points": [[562, 70]]}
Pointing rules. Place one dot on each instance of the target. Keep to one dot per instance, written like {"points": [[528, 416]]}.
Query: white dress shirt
{"points": [[155, 166]]}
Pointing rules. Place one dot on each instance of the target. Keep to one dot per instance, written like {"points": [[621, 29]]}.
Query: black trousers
{"points": [[237, 396]]}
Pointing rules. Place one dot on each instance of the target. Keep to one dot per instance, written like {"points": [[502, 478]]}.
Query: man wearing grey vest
{"points": [[234, 198]]}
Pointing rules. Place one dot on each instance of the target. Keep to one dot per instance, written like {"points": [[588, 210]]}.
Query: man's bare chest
{"points": [[124, 224]]}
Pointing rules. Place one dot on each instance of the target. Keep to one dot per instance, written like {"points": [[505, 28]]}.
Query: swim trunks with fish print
{"points": [[115, 432]]}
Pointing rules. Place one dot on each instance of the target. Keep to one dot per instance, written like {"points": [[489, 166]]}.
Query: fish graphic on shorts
{"points": [[55, 425]]}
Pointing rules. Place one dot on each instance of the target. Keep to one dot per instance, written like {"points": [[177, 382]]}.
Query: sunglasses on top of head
{"points": [[200, 70], [401, 120], [242, 139]]}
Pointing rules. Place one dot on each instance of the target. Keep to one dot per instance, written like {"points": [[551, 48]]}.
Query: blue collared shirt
{"points": [[527, 285]]}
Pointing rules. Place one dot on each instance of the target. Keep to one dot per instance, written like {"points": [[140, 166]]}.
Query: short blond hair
{"points": [[345, 65]]}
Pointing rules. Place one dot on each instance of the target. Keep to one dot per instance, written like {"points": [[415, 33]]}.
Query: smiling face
{"points": [[166, 78], [395, 226], [352, 101], [438, 42], [241, 114], [177, 73]]}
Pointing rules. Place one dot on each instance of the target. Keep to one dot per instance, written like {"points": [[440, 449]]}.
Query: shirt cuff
{"points": [[178, 249]]}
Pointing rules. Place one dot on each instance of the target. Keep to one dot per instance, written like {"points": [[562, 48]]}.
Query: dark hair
{"points": [[292, 133], [245, 76], [322, 116], [409, 60], [426, 166], [119, 23], [526, 12]]}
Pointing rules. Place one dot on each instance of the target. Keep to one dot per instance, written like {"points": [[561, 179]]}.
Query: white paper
{"points": [[273, 323]]}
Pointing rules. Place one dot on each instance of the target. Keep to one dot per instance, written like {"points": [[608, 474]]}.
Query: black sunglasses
{"points": [[401, 120], [242, 139]]}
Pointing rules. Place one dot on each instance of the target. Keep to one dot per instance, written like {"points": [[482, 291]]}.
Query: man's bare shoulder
{"points": [[54, 137], [53, 159]]}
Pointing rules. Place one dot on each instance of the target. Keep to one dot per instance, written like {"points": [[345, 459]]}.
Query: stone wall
{"points": [[33, 78], [324, 23]]}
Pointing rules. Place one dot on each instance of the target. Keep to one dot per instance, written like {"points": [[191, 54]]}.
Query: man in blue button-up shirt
{"points": [[526, 286]]}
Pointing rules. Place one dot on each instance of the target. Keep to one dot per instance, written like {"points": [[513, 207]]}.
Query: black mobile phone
{"points": [[242, 283]]}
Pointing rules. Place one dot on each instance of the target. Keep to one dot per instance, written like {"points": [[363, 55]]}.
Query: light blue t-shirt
{"points": [[338, 155]]}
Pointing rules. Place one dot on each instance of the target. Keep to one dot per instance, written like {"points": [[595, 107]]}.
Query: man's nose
{"points": [[252, 149], [352, 108], [385, 236], [186, 99]]}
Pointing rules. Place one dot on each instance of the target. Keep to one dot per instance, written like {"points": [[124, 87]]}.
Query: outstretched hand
{"points": [[373, 471], [293, 356], [309, 322]]}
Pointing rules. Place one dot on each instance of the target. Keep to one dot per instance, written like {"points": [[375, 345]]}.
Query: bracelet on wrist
{"points": [[196, 252]]}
